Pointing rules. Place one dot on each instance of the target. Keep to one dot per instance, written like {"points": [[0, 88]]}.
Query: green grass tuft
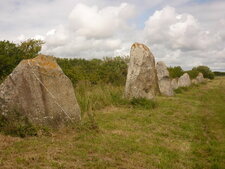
{"points": [[181, 89], [143, 103]]}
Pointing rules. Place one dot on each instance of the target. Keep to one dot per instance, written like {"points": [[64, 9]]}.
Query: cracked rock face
{"points": [[184, 81], [164, 79], [142, 79], [38, 89]]}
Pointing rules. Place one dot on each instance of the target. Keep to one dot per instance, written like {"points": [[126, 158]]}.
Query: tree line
{"points": [[108, 70], [95, 71], [177, 71]]}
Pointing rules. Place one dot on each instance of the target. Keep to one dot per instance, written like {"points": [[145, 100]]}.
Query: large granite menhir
{"points": [[142, 79], [38, 89]]}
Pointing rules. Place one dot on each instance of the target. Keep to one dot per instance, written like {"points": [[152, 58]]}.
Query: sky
{"points": [[183, 33]]}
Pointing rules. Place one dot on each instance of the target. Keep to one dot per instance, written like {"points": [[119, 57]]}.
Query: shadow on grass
{"points": [[17, 125]]}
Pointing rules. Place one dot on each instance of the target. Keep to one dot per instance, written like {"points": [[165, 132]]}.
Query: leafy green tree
{"points": [[175, 72], [9, 57], [206, 71], [11, 54], [193, 73], [30, 48]]}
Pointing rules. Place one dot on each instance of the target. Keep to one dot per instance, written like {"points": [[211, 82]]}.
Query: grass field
{"points": [[182, 132]]}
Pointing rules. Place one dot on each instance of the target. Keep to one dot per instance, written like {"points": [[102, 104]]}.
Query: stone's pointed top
{"points": [[45, 58], [162, 70], [200, 74], [44, 61], [161, 63], [140, 45]]}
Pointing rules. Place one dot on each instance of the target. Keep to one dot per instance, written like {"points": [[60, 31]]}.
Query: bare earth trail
{"points": [[186, 131]]}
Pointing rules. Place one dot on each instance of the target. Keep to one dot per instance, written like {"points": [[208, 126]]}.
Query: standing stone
{"points": [[194, 81], [200, 78], [164, 79], [39, 90], [184, 81], [174, 83], [142, 79]]}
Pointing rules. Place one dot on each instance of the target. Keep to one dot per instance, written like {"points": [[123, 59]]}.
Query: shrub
{"points": [[219, 73], [109, 70], [193, 73]]}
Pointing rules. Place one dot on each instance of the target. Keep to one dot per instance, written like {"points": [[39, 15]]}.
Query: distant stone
{"points": [[142, 79], [164, 79], [200, 78], [38, 89], [174, 83], [184, 81]]}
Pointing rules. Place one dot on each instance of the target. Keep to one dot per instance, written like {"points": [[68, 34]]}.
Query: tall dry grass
{"points": [[94, 97]]}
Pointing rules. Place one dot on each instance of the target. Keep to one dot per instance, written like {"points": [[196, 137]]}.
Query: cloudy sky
{"points": [[179, 32]]}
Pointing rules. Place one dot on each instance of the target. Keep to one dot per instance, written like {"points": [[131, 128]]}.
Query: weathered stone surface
{"points": [[142, 77], [38, 89], [174, 83], [200, 78], [164, 79], [184, 81]]}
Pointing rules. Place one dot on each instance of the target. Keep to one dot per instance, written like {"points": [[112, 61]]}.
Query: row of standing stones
{"points": [[146, 79], [38, 88]]}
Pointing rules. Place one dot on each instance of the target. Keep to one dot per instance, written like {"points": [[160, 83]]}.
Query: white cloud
{"points": [[93, 22], [51, 32], [38, 37], [90, 32], [176, 31], [21, 37], [179, 39], [187, 34]]}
